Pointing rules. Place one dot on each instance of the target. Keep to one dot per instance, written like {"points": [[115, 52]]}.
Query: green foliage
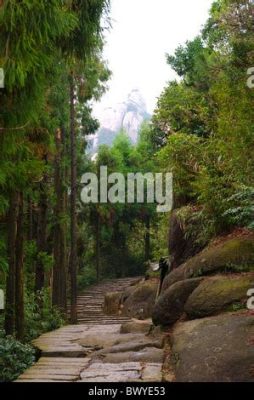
{"points": [[40, 316], [236, 307], [184, 109], [29, 48], [122, 226], [15, 358], [87, 277], [182, 156], [42, 45], [212, 102], [202, 131], [196, 225], [241, 211], [159, 237], [46, 260], [189, 61]]}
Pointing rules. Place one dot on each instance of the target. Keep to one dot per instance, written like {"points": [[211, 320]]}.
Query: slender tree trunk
{"points": [[59, 270], [10, 284], [73, 250], [41, 236], [19, 300], [65, 206], [30, 233], [120, 243], [97, 245], [147, 238], [63, 233]]}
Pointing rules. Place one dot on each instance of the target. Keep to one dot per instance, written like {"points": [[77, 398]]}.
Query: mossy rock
{"points": [[140, 300], [217, 294], [214, 349], [170, 305], [234, 255]]}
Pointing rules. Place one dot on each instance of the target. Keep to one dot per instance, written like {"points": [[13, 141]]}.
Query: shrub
{"points": [[196, 225], [40, 316], [241, 208], [87, 277], [15, 358], [182, 157]]}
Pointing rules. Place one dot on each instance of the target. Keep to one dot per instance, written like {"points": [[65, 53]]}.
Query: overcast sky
{"points": [[143, 31]]}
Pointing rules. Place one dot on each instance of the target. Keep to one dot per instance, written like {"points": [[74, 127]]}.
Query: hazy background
{"points": [[143, 31]]}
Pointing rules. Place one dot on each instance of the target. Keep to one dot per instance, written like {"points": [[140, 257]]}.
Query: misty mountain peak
{"points": [[127, 115]]}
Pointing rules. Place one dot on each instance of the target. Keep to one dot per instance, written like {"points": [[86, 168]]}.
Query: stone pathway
{"points": [[101, 348], [90, 302]]}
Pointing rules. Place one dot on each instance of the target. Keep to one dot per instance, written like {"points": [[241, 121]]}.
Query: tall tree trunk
{"points": [[66, 177], [120, 244], [147, 238], [97, 245], [30, 232], [59, 270], [73, 250], [10, 284], [19, 300], [41, 236]]}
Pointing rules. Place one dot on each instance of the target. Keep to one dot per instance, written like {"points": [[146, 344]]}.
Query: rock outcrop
{"points": [[127, 116], [219, 293], [170, 305], [135, 302], [140, 300], [233, 255], [215, 349], [204, 302]]}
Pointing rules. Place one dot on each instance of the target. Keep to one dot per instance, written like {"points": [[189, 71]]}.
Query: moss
{"points": [[237, 306], [234, 268], [218, 294], [234, 252]]}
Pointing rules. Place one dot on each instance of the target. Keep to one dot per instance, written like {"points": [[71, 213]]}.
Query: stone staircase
{"points": [[90, 302], [95, 350]]}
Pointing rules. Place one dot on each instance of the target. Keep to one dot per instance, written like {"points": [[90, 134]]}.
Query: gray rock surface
{"points": [[218, 293], [139, 301], [137, 326], [146, 355], [215, 349], [170, 305], [233, 255]]}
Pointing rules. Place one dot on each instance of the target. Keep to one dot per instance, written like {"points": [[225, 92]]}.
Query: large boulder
{"points": [[139, 301], [112, 303], [215, 349], [217, 293], [233, 255], [170, 305]]}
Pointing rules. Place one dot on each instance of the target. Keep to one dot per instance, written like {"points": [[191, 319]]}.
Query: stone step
{"points": [[90, 302], [70, 354]]}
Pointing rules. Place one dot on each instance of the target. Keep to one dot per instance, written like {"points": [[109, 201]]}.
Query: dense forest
{"points": [[51, 244]]}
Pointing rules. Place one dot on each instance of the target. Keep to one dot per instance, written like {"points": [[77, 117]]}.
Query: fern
{"points": [[241, 211]]}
